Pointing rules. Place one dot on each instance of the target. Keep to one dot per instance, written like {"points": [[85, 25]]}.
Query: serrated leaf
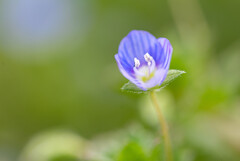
{"points": [[172, 74], [130, 87]]}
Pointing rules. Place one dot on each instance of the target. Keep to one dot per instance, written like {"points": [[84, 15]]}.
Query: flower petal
{"points": [[162, 59], [166, 52], [135, 45], [128, 75], [157, 79], [165, 59]]}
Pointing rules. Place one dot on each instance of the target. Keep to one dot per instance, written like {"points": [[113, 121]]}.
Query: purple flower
{"points": [[143, 59]]}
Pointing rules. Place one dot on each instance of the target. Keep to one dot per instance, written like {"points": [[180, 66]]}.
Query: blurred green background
{"points": [[60, 83]]}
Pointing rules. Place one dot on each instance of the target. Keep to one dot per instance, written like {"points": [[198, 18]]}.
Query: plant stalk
{"points": [[163, 124]]}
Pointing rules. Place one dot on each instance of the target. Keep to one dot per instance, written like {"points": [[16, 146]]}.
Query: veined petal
{"points": [[166, 53], [157, 79], [165, 59], [135, 45], [128, 75]]}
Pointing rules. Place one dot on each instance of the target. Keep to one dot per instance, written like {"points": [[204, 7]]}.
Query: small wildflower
{"points": [[143, 59]]}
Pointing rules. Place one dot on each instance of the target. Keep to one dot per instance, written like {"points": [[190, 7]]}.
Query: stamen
{"points": [[148, 58], [144, 73], [137, 62]]}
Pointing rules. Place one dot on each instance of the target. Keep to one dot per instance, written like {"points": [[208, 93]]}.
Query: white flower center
{"points": [[146, 72]]}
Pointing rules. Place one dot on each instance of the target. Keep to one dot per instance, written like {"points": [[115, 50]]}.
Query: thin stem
{"points": [[163, 124]]}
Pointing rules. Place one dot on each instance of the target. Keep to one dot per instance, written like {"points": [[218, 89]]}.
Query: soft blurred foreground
{"points": [[60, 97]]}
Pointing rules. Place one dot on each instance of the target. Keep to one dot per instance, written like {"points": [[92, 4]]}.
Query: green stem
{"points": [[163, 124]]}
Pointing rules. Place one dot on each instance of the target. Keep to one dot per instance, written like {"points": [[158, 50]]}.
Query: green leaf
{"points": [[157, 153], [130, 87], [172, 74], [132, 152]]}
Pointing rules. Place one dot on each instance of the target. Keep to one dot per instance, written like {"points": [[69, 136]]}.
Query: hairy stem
{"points": [[163, 124]]}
